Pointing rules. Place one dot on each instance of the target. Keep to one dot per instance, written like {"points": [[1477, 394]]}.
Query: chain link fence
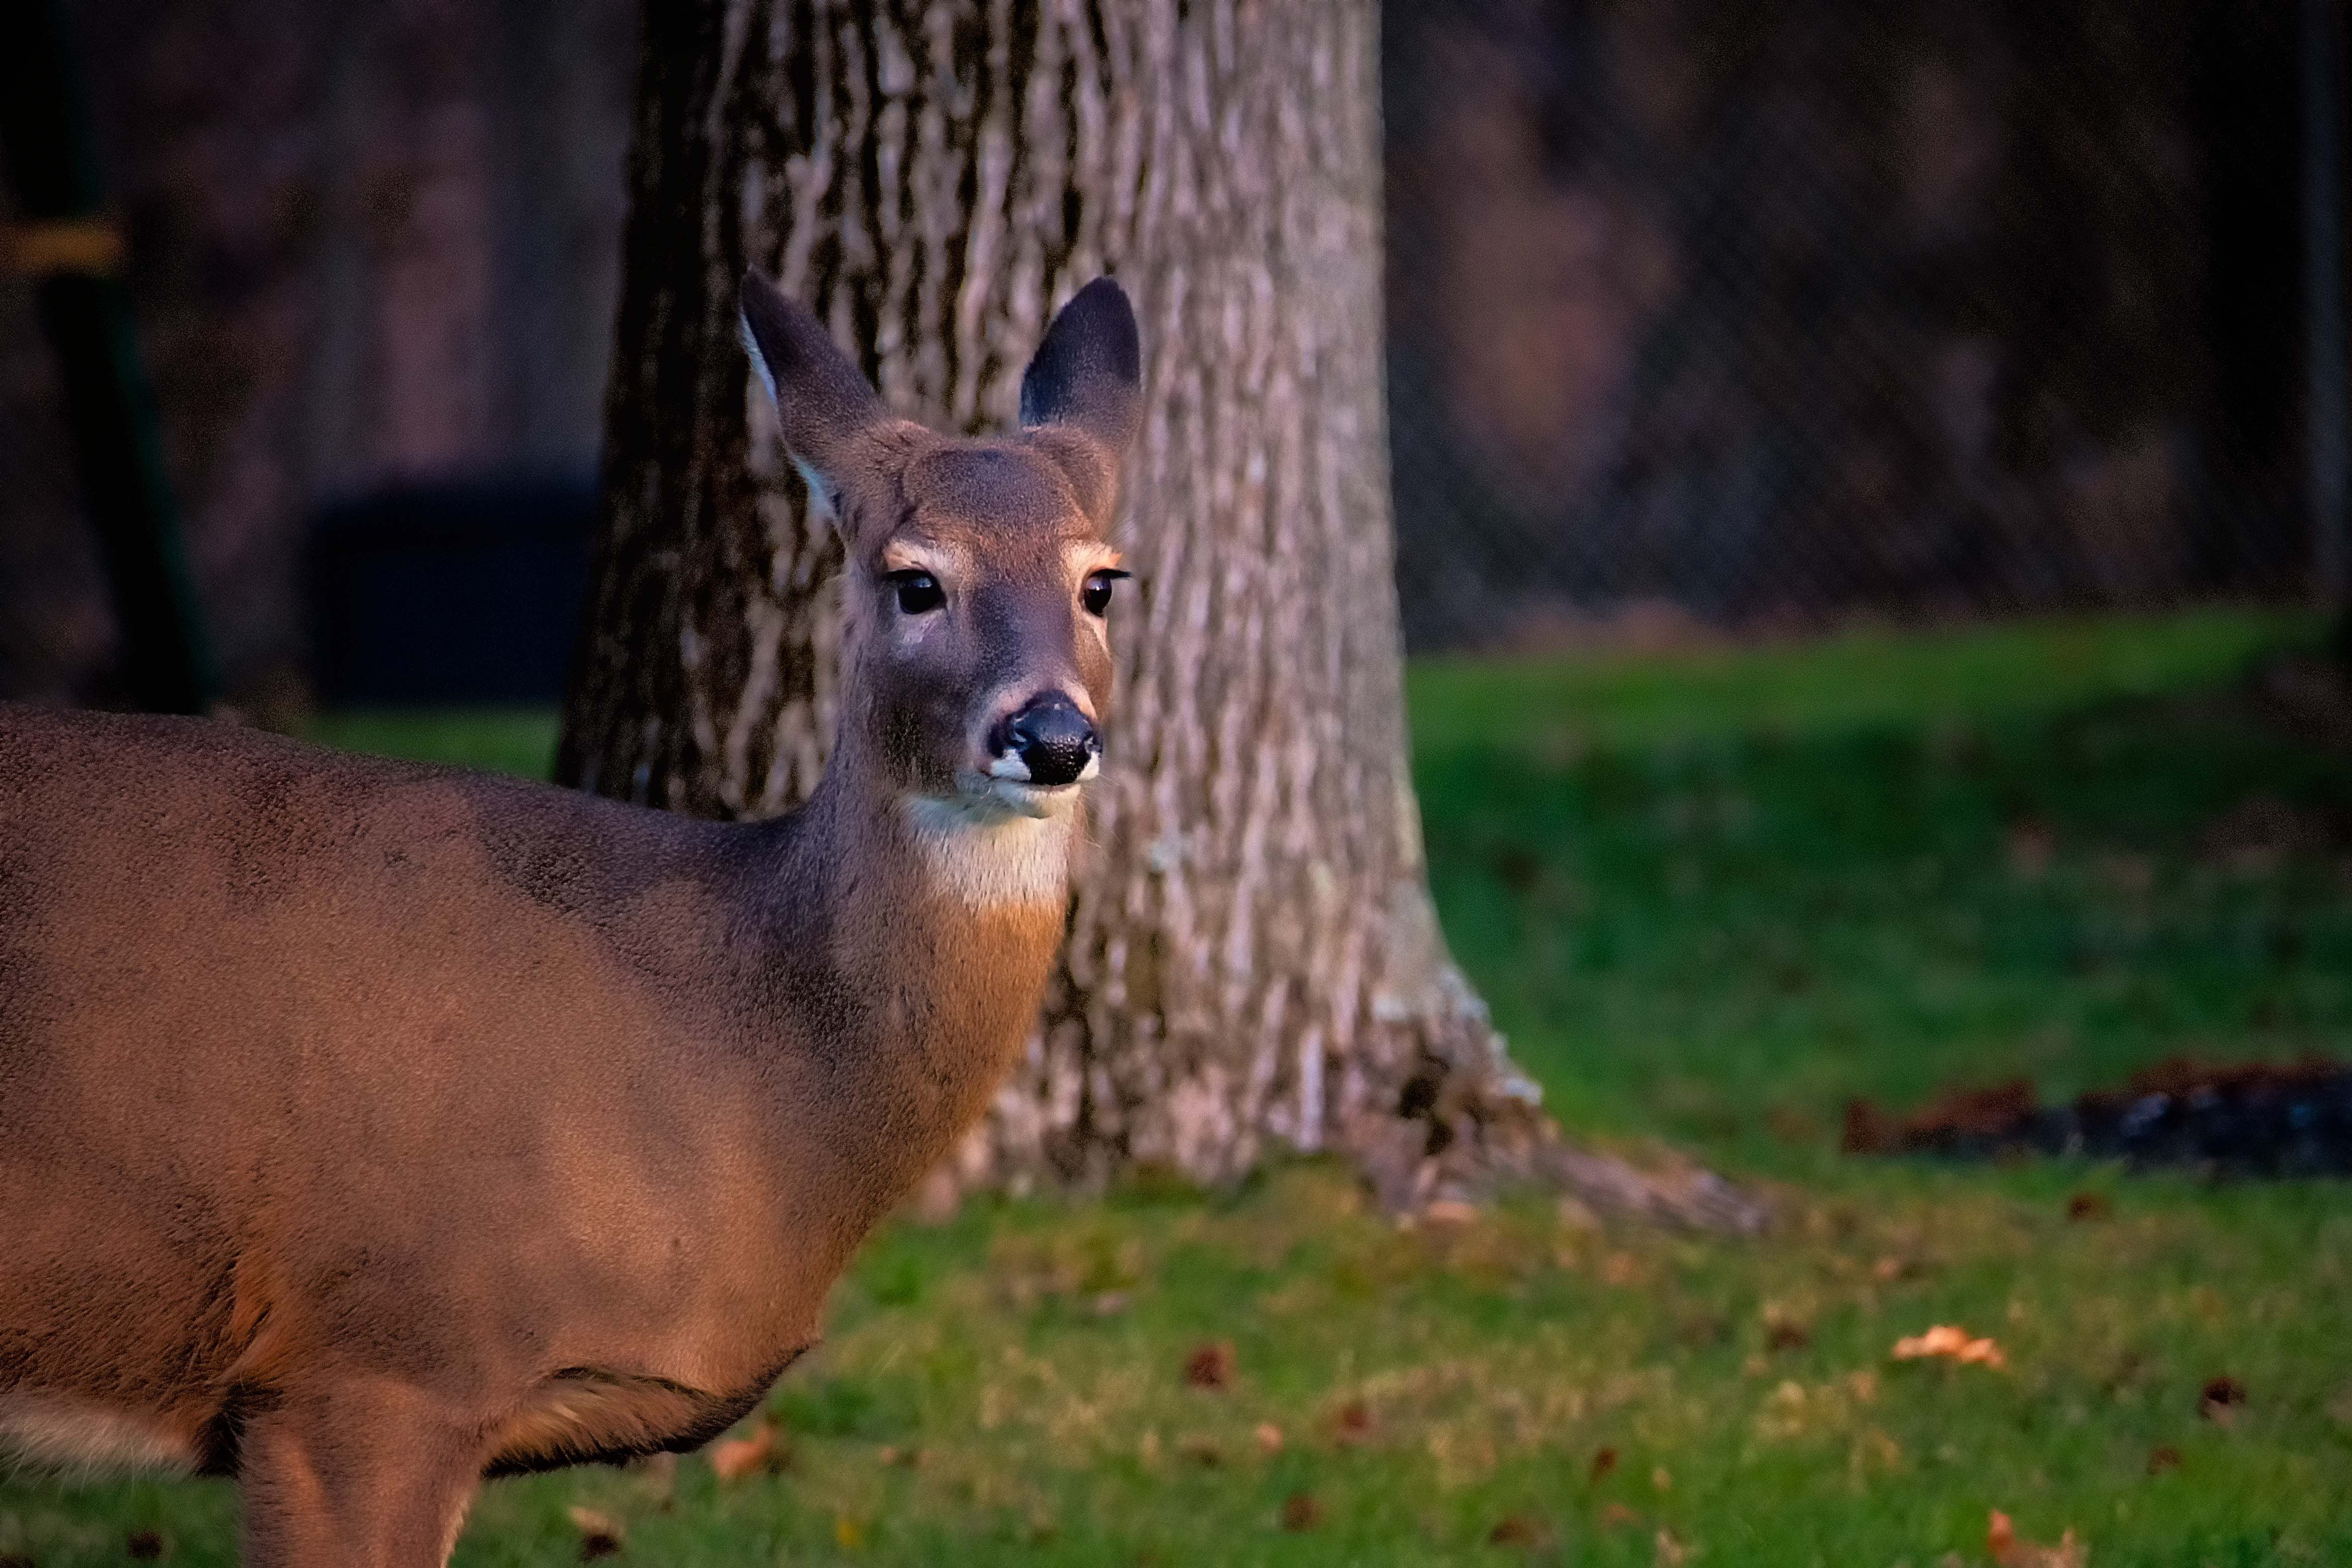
{"points": [[1713, 314], [1705, 316]]}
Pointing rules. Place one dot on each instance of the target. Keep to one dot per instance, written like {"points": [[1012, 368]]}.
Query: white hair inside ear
{"points": [[820, 493], [751, 350]]}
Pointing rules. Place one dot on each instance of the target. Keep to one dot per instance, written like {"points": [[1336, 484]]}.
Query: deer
{"points": [[370, 1128]]}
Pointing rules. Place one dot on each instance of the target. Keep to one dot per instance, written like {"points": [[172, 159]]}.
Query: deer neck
{"points": [[935, 930]]}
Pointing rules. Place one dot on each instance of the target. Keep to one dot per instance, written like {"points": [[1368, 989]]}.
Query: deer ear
{"points": [[1087, 374], [824, 404]]}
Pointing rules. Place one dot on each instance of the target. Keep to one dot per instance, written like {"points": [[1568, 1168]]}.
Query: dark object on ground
{"points": [[2219, 1399], [2256, 1120], [457, 593]]}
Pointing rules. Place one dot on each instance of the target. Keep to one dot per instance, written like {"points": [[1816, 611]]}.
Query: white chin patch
{"points": [[998, 839]]}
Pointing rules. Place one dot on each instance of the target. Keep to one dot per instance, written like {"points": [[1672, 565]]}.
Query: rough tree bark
{"points": [[1253, 961]]}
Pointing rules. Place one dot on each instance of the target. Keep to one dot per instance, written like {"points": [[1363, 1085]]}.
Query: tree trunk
{"points": [[1253, 960]]}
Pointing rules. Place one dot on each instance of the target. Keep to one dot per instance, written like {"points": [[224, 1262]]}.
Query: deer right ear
{"points": [[824, 404]]}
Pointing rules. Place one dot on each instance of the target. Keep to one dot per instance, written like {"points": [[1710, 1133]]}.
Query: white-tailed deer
{"points": [[367, 1128]]}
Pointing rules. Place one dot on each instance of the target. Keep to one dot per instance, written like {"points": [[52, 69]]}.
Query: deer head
{"points": [[977, 661]]}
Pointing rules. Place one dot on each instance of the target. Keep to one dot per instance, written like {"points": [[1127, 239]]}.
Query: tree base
{"points": [[1513, 1146]]}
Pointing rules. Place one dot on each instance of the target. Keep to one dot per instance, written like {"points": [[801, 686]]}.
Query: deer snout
{"points": [[1048, 742]]}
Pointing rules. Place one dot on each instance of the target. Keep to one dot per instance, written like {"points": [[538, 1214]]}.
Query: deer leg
{"points": [[367, 1475]]}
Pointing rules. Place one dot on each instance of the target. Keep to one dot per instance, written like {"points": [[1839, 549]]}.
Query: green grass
{"points": [[1710, 897]]}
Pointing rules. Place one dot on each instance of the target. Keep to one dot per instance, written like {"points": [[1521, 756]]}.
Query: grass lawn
{"points": [[1710, 896]]}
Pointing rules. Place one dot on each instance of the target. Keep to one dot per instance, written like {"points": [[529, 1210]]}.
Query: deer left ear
{"points": [[1082, 396], [1087, 374]]}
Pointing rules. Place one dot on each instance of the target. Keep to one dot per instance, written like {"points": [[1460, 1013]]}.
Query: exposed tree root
{"points": [[1514, 1146]]}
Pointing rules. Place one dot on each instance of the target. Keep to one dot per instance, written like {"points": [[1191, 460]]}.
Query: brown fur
{"points": [[366, 1127]]}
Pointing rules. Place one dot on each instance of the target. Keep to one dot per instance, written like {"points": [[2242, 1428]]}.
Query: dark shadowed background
{"points": [[1705, 320]]}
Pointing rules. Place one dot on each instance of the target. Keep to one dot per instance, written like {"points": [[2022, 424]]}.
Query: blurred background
{"points": [[1708, 323]]}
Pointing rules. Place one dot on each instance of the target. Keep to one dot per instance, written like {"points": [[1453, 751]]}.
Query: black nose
{"points": [[1051, 738]]}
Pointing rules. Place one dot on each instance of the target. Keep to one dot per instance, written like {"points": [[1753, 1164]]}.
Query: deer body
{"points": [[366, 1127]]}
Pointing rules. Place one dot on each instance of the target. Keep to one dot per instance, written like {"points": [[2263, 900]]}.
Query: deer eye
{"points": [[918, 591], [1096, 595]]}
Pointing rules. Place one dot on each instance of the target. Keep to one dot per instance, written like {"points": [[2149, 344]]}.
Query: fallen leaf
{"points": [[601, 1535], [1786, 1334], [1662, 1478], [1889, 1270], [2009, 1551], [1672, 1553], [2163, 1458], [1211, 1365], [1603, 1462], [1868, 1130], [2089, 1205], [905, 1459], [1355, 1422], [1952, 1343], [1621, 1269], [1202, 1451], [143, 1545], [1269, 1437], [2030, 846], [1301, 1511], [1613, 1514], [847, 1534], [741, 1457], [1520, 1530], [2220, 1399]]}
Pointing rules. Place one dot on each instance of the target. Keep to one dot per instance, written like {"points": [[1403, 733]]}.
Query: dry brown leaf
{"points": [[2220, 1400], [1269, 1437], [1950, 1344], [2089, 1205], [601, 1535], [1613, 1514], [2162, 1458], [2009, 1550], [1355, 1422], [1604, 1461], [1301, 1510], [741, 1457], [1211, 1365], [1672, 1553], [2029, 848], [1520, 1530]]}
